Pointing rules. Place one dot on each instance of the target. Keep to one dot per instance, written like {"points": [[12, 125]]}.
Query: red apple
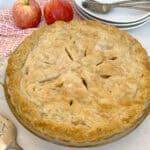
{"points": [[26, 13], [58, 10]]}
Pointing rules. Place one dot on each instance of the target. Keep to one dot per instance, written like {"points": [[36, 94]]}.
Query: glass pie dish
{"points": [[81, 88]]}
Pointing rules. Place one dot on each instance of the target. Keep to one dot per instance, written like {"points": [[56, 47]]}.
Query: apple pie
{"points": [[79, 83]]}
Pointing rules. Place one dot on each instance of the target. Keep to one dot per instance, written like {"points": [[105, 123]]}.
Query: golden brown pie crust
{"points": [[79, 82]]}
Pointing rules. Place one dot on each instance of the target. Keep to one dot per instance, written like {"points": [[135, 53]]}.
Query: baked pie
{"points": [[79, 83]]}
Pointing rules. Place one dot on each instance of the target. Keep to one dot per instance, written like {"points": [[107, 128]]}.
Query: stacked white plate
{"points": [[122, 18]]}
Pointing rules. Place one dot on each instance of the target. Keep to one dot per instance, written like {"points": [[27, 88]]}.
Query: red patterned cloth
{"points": [[10, 35]]}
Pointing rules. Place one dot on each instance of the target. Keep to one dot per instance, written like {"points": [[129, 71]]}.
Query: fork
{"points": [[98, 7]]}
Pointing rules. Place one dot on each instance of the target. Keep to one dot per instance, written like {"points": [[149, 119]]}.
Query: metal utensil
{"points": [[98, 7], [8, 134]]}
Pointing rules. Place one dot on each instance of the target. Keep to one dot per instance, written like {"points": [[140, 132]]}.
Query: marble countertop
{"points": [[138, 139]]}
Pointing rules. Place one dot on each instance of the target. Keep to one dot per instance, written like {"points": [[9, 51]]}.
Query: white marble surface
{"points": [[137, 140]]}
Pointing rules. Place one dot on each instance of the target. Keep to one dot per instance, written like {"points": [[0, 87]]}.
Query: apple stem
{"points": [[26, 2]]}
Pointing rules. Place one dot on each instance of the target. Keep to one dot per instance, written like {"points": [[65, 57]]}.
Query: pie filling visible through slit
{"points": [[79, 82]]}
